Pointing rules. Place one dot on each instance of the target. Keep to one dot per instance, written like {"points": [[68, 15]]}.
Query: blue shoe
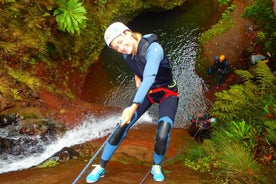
{"points": [[157, 173], [95, 175]]}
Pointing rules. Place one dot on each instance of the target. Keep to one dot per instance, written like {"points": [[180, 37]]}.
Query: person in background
{"points": [[255, 58], [220, 65], [204, 120], [201, 126], [155, 84]]}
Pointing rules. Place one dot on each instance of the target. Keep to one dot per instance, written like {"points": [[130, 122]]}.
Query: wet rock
{"points": [[66, 154], [17, 150], [9, 119], [21, 137], [41, 127], [6, 145]]}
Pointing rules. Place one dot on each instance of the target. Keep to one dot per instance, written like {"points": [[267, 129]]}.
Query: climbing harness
{"points": [[95, 155], [160, 94], [169, 159]]}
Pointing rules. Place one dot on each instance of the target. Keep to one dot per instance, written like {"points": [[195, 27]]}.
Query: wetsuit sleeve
{"points": [[154, 56]]}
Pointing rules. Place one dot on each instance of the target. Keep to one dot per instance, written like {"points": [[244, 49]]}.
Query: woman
{"points": [[153, 78]]}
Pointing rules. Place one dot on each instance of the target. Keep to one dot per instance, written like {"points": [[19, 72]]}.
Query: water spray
{"points": [[94, 156]]}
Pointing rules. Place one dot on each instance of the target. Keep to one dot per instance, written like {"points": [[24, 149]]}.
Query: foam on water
{"points": [[90, 128]]}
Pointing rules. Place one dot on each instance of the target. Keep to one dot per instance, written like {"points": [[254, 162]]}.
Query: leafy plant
{"points": [[7, 48], [238, 165], [261, 12], [70, 16], [4, 83], [270, 127], [231, 155], [25, 77], [223, 2], [202, 164], [100, 4], [198, 159], [233, 133], [240, 132], [265, 79], [240, 100], [48, 163], [234, 104], [15, 94], [224, 24]]}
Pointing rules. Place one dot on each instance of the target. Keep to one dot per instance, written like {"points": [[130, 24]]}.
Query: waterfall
{"points": [[89, 129]]}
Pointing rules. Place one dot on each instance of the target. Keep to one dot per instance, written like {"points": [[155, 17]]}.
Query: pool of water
{"points": [[111, 83]]}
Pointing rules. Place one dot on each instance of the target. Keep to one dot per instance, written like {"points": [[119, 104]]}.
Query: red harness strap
{"points": [[167, 92]]}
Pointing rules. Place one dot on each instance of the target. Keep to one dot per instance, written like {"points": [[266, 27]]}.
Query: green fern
{"points": [[26, 78], [233, 103], [241, 100], [270, 127], [15, 94], [7, 48], [4, 86], [70, 16], [244, 74], [35, 43], [265, 77]]}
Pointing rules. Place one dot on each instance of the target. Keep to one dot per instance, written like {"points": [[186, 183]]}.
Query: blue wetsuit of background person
{"points": [[152, 66], [220, 65]]}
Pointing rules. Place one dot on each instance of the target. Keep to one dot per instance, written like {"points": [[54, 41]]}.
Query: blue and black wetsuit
{"points": [[157, 86], [220, 67]]}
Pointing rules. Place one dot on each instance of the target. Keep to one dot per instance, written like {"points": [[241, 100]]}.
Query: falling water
{"points": [[89, 129], [111, 83], [177, 32]]}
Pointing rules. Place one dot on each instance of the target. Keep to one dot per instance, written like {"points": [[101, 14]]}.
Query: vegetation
{"points": [[239, 101], [65, 31], [48, 163], [223, 2], [70, 16], [261, 12], [224, 24], [25, 77], [65, 34], [243, 142], [242, 146]]}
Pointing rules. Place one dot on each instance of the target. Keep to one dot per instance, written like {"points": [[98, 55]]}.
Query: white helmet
{"points": [[213, 120], [114, 30]]}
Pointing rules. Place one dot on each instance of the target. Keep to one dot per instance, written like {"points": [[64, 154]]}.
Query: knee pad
{"points": [[121, 132], [161, 139], [117, 136]]}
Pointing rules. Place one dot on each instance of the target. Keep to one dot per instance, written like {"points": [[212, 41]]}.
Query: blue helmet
{"points": [[216, 58]]}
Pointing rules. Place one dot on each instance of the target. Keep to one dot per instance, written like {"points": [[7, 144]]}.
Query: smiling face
{"points": [[123, 43]]}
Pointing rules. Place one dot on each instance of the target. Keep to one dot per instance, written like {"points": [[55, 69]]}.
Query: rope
{"points": [[93, 158], [182, 149]]}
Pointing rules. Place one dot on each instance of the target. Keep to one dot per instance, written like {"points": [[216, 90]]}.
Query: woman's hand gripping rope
{"points": [[128, 114]]}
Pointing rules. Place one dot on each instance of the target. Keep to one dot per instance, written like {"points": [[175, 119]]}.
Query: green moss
{"points": [[48, 163], [224, 24]]}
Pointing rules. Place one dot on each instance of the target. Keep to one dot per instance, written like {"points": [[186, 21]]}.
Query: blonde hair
{"points": [[136, 36]]}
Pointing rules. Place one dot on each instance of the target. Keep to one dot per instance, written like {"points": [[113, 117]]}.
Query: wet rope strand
{"points": [[93, 158]]}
